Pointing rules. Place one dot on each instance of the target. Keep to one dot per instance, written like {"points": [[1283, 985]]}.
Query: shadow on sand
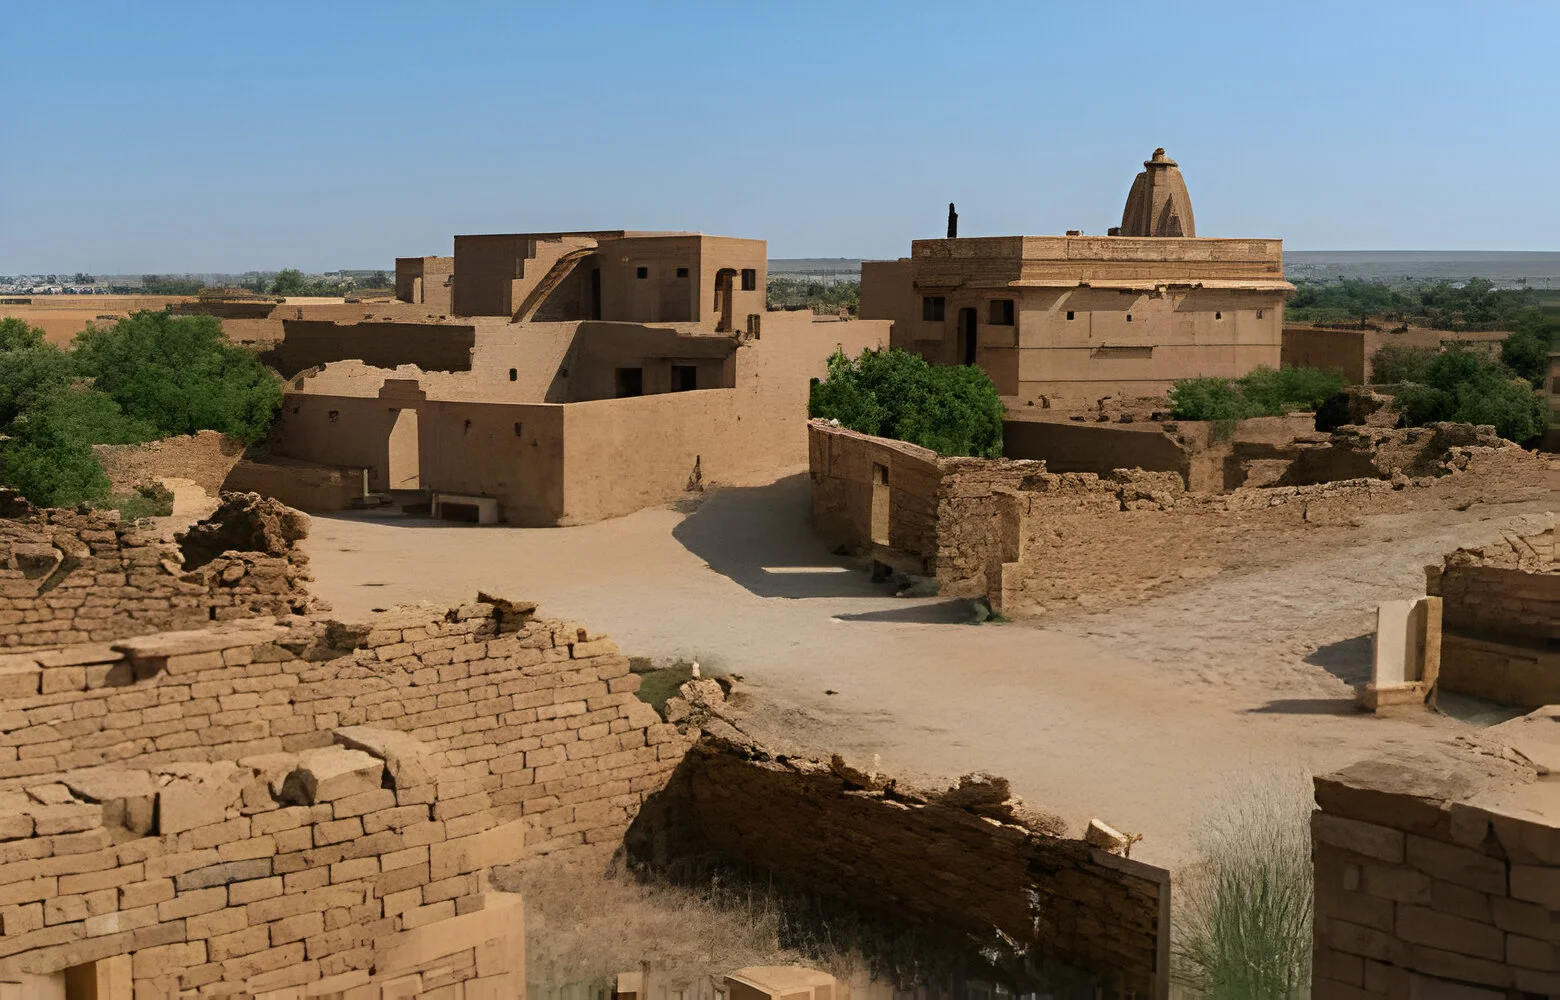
{"points": [[1349, 660], [1308, 706], [758, 537], [952, 612]]}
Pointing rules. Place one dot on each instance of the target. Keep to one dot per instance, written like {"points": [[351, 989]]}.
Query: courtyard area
{"points": [[1150, 716]]}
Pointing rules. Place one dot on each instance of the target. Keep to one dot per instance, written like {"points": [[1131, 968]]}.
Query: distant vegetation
{"points": [[1474, 305], [1263, 392], [148, 376], [819, 296], [170, 284], [951, 409]]}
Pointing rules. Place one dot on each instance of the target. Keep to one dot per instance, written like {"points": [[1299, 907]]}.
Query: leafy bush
{"points": [[1243, 928], [1397, 363], [1262, 392], [49, 458], [1463, 386], [148, 500], [954, 410], [1526, 353], [178, 375]]}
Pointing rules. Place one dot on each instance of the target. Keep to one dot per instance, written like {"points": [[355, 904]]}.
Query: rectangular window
{"points": [[641, 272], [932, 308], [630, 382], [754, 321], [685, 378], [1070, 314], [749, 279], [682, 272], [1001, 312]]}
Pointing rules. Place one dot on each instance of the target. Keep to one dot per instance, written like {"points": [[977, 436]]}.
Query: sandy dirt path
{"points": [[1145, 717]]}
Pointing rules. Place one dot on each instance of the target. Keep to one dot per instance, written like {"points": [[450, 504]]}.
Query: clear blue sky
{"points": [[162, 136]]}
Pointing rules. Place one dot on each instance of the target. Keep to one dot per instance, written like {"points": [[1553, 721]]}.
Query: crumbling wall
{"points": [[204, 458], [1500, 615], [287, 801], [1355, 452], [69, 576], [1436, 875], [305, 485], [431, 346], [946, 868]]}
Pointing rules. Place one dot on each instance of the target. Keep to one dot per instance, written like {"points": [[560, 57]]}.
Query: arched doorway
{"points": [[725, 280]]}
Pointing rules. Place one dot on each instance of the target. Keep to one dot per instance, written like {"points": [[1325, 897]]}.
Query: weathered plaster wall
{"points": [[954, 865], [304, 485], [308, 343]]}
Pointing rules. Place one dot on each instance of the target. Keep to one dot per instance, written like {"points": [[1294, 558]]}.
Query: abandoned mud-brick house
{"points": [[1068, 319], [583, 376]]}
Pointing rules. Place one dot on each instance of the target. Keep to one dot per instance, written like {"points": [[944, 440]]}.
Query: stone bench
{"points": [[487, 507]]}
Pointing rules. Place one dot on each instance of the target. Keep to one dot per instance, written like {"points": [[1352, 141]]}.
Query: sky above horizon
{"points": [[185, 137]]}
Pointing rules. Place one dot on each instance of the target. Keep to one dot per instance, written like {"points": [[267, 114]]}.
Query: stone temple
{"points": [[1158, 204]]}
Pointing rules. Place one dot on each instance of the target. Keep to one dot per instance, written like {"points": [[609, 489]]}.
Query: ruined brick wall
{"points": [[1500, 613], [973, 540], [1435, 876], [204, 457], [845, 465], [945, 869], [284, 802], [70, 577]]}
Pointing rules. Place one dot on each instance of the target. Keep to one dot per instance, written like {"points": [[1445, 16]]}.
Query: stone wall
{"points": [[1500, 614], [946, 869], [296, 483], [286, 803], [69, 577], [1437, 872], [1036, 541], [203, 458]]}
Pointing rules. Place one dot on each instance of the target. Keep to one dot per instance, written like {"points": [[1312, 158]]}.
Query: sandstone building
{"points": [[576, 376], [1068, 319]]}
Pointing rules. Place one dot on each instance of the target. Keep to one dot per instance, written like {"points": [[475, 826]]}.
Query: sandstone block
{"points": [[331, 773]]}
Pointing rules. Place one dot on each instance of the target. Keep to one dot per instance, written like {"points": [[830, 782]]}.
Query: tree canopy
{"points": [[953, 410], [1464, 386], [1262, 392]]}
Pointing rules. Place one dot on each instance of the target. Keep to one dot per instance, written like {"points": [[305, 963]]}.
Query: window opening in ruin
{"points": [[749, 279], [932, 308], [753, 323], [1218, 315], [466, 429], [880, 507], [402, 452], [595, 293], [518, 426], [724, 280], [630, 382], [1129, 317], [682, 272], [685, 378], [513, 374], [1001, 312], [1259, 313], [1070, 314], [967, 336], [333, 415], [641, 272]]}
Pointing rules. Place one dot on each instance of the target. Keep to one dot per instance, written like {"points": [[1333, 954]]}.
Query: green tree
{"points": [[16, 334], [954, 410], [48, 458], [1262, 392], [290, 281], [1527, 355], [1463, 386], [1397, 363], [28, 376], [177, 375]]}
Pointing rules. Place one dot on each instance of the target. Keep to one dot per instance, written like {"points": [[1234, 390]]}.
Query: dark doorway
{"points": [[966, 336], [725, 279], [595, 293], [685, 378], [630, 382]]}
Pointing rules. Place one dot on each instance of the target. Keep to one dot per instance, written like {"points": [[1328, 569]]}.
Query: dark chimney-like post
{"points": [[953, 222]]}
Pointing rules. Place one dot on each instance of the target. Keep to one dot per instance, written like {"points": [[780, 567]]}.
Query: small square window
{"points": [[685, 378], [641, 272], [518, 427], [513, 375], [1129, 317], [932, 308], [1001, 312], [1070, 314], [754, 321], [630, 382], [1218, 315], [749, 279], [682, 272]]}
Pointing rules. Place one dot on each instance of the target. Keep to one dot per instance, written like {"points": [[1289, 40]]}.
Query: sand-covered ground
{"points": [[1144, 716]]}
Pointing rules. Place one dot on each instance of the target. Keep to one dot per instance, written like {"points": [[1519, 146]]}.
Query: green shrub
{"points": [[16, 334], [178, 375], [1464, 386], [148, 500], [1243, 915], [1262, 392], [1527, 355], [1396, 363], [49, 459], [953, 410]]}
